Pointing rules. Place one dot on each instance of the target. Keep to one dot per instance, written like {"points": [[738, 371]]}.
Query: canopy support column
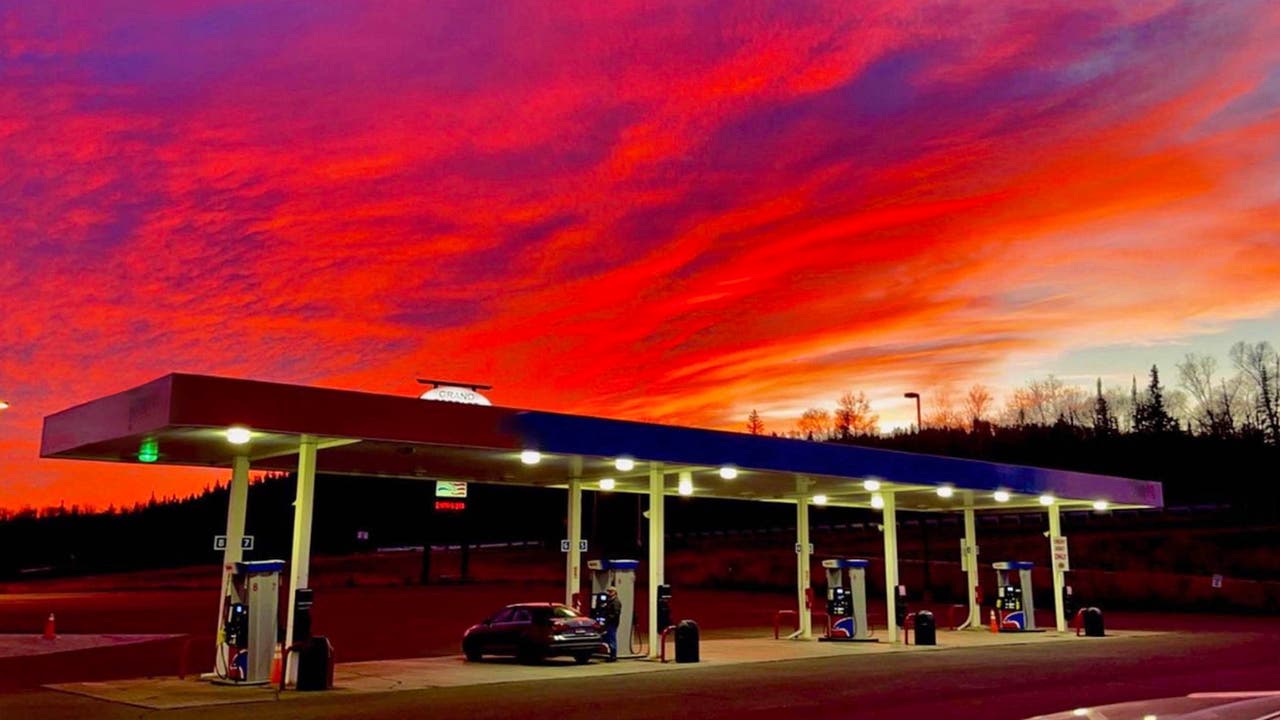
{"points": [[300, 562], [573, 562], [657, 529], [969, 561], [237, 507], [1059, 577], [890, 513], [803, 559]]}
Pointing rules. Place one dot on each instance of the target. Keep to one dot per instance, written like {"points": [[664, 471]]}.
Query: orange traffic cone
{"points": [[49, 632], [995, 624], [275, 667]]}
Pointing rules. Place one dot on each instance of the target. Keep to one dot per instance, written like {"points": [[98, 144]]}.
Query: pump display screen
{"points": [[1010, 598], [838, 602], [598, 603]]}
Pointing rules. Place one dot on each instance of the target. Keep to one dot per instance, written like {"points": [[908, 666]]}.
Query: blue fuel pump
{"points": [[1015, 602], [847, 601]]}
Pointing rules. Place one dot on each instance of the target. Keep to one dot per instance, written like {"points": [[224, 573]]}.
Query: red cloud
{"points": [[671, 213]]}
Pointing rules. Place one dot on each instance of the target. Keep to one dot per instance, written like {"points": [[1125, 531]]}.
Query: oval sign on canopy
{"points": [[452, 393]]}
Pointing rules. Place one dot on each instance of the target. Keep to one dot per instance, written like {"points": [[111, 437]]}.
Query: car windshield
{"points": [[554, 612]]}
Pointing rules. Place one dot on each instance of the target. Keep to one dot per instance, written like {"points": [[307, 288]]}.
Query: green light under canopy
{"points": [[149, 451]]}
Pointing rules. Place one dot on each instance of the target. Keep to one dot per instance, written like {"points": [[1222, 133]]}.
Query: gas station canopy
{"points": [[183, 419]]}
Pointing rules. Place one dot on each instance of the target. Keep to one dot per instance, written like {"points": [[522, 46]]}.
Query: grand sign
{"points": [[453, 393]]}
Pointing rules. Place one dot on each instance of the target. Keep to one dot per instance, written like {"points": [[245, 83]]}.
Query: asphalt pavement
{"points": [[993, 683], [1194, 654]]}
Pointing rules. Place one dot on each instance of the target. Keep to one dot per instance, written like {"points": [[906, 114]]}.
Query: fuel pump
{"points": [[249, 630], [621, 575], [847, 603], [1015, 605]]}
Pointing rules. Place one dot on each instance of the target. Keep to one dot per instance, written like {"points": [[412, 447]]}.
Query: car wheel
{"points": [[473, 654], [582, 658]]}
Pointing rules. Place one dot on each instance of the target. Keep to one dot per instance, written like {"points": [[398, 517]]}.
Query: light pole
{"points": [[924, 526], [915, 395]]}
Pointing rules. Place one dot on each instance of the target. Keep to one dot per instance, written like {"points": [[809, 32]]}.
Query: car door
{"points": [[490, 634], [517, 628]]}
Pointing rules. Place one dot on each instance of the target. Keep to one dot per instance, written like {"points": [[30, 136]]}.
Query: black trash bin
{"points": [[315, 664], [1093, 626], [926, 628], [687, 642]]}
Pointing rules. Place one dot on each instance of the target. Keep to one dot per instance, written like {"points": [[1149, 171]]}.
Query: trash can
{"points": [[687, 642], [1093, 626], [926, 628], [315, 664]]}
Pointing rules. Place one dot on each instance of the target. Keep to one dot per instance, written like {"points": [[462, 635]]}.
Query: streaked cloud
{"points": [[672, 212]]}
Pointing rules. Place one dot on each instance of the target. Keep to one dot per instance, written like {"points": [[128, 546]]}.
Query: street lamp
{"points": [[916, 396]]}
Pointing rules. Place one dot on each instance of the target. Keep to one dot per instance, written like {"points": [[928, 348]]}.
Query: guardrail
{"points": [[662, 643], [777, 621]]}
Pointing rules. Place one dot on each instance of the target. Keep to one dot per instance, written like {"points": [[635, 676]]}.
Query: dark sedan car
{"points": [[533, 631]]}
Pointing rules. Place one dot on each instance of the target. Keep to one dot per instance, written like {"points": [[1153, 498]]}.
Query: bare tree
{"points": [[1259, 364], [854, 416], [1208, 409], [943, 411], [1044, 402], [1121, 403], [815, 424], [755, 425], [977, 403]]}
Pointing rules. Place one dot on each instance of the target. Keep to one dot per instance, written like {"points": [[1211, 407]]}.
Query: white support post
{"points": [[891, 564], [803, 560], [970, 561], [237, 506], [300, 561], [1059, 579], [656, 529], [573, 562]]}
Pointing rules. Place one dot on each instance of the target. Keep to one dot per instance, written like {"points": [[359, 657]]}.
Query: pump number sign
{"points": [[220, 542]]}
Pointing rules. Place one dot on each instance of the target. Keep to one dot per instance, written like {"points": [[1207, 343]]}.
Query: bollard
{"points": [[49, 629]]}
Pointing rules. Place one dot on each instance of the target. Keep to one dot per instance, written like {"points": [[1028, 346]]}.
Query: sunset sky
{"points": [[673, 212]]}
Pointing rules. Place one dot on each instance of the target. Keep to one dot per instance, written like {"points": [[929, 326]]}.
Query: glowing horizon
{"points": [[672, 213]]}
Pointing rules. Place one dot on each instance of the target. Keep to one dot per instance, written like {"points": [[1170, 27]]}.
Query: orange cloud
{"points": [[672, 212]]}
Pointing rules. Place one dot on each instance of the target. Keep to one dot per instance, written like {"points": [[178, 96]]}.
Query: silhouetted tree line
{"points": [[174, 531], [1217, 440]]}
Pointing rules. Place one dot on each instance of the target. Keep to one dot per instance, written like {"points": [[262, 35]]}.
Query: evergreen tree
{"points": [[755, 425], [1153, 418], [1138, 411], [1104, 423]]}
